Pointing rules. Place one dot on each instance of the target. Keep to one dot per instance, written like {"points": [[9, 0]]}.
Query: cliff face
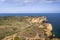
{"points": [[35, 28]]}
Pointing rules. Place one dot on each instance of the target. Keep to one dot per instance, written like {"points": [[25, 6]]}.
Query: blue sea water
{"points": [[53, 18]]}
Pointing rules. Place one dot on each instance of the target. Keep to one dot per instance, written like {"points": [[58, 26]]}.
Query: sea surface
{"points": [[53, 18]]}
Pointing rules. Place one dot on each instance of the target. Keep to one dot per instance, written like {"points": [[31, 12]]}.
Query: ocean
{"points": [[53, 18]]}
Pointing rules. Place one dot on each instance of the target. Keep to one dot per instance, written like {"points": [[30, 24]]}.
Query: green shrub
{"points": [[16, 38]]}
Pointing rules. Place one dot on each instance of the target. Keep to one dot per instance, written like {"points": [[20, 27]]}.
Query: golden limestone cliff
{"points": [[37, 28]]}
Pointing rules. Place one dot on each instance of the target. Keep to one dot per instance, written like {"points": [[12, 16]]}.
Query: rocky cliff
{"points": [[28, 28]]}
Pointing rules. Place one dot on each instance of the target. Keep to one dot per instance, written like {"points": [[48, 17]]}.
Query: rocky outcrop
{"points": [[37, 19], [48, 30]]}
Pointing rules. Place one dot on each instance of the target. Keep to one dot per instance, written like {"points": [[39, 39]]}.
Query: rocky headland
{"points": [[25, 28]]}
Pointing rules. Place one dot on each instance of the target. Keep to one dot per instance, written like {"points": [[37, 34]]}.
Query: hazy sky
{"points": [[29, 6]]}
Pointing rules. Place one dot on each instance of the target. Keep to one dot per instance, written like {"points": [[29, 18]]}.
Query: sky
{"points": [[29, 6]]}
